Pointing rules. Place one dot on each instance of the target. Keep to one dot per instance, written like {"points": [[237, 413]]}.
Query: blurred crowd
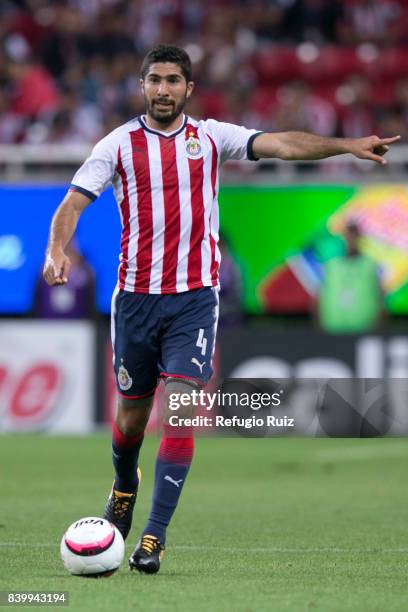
{"points": [[69, 69]]}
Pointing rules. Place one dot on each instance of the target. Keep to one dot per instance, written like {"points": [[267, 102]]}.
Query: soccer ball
{"points": [[92, 547]]}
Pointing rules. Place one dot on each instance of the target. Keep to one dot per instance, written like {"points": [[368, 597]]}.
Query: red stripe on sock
{"points": [[178, 449], [123, 441]]}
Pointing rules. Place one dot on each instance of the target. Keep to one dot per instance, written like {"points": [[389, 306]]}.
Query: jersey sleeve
{"points": [[97, 171], [233, 141]]}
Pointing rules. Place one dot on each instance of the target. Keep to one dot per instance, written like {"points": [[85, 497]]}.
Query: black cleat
{"points": [[119, 509], [147, 555]]}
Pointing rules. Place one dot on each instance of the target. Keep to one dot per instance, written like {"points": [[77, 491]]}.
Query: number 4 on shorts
{"points": [[201, 341]]}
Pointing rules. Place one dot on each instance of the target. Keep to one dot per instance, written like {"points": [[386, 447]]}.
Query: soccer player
{"points": [[164, 170]]}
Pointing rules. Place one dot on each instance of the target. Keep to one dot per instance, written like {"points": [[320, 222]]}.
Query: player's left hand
{"points": [[372, 147]]}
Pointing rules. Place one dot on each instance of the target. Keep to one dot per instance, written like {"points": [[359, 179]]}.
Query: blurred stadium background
{"points": [[69, 73]]}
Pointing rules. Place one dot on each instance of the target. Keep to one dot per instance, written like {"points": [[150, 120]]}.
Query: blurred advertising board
{"points": [[299, 228], [47, 374], [262, 351], [54, 378], [280, 237], [23, 239], [363, 380]]}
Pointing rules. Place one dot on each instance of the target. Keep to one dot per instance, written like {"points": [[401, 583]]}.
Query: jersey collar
{"points": [[142, 122]]}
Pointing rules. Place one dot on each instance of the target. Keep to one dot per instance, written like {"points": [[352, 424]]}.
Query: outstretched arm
{"points": [[301, 145], [63, 225]]}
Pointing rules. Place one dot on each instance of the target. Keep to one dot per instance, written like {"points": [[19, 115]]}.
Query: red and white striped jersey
{"points": [[166, 187]]}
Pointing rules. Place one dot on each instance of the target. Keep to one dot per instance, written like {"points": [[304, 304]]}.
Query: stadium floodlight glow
{"points": [[307, 52], [195, 51], [367, 52]]}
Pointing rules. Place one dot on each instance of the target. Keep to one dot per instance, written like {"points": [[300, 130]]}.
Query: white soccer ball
{"points": [[92, 547]]}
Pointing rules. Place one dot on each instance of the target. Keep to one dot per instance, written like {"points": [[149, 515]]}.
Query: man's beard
{"points": [[165, 117]]}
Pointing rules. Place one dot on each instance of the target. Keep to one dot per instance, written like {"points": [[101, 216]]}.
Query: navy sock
{"points": [[125, 454], [172, 465]]}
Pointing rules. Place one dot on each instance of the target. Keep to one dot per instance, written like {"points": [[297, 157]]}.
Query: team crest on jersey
{"points": [[193, 146], [125, 381]]}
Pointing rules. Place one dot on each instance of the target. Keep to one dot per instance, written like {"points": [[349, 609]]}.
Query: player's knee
{"points": [[132, 415], [179, 399], [130, 424]]}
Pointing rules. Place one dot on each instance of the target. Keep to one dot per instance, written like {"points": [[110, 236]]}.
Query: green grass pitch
{"points": [[278, 524]]}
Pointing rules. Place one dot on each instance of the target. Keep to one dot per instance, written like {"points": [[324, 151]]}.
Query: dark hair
{"points": [[168, 53]]}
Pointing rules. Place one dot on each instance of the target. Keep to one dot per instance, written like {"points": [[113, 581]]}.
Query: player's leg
{"points": [[173, 462], [187, 350], [127, 438], [172, 465], [135, 364]]}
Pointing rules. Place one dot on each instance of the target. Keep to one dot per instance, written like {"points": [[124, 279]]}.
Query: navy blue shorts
{"points": [[162, 335]]}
